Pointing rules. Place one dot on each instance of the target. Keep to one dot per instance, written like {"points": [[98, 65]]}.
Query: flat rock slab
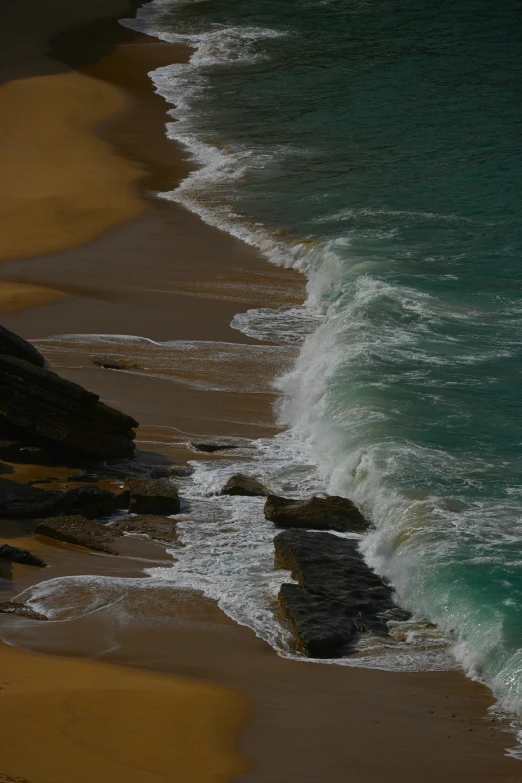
{"points": [[323, 628], [152, 496], [332, 569], [331, 513], [158, 527], [244, 485], [21, 610], [22, 556], [20, 501], [80, 531]]}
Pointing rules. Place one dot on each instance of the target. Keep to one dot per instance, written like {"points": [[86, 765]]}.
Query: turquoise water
{"points": [[377, 147]]}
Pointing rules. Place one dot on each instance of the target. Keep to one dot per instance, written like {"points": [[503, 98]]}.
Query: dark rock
{"points": [[13, 345], [211, 448], [151, 496], [88, 478], [332, 568], [115, 364], [91, 502], [243, 485], [331, 513], [55, 411], [5, 469], [22, 556], [22, 610], [22, 452], [79, 531], [168, 471], [161, 528], [323, 627], [19, 501], [49, 480]]}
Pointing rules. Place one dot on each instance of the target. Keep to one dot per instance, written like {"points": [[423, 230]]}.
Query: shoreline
{"points": [[409, 716]]}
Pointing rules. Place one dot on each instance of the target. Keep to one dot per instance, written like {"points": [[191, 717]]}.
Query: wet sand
{"points": [[164, 275]]}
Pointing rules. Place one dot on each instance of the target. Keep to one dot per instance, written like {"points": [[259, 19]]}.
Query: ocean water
{"points": [[376, 146]]}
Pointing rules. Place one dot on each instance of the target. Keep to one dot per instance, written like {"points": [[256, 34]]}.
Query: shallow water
{"points": [[376, 147]]}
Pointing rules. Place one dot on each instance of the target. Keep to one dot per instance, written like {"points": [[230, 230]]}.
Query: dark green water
{"points": [[378, 147]]}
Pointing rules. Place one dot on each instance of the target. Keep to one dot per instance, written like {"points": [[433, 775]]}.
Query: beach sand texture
{"points": [[183, 694]]}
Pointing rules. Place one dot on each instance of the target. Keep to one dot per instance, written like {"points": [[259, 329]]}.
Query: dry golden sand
{"points": [[61, 185], [64, 720]]}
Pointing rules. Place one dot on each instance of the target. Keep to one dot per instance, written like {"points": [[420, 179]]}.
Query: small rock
{"points": [[331, 513], [79, 531], [152, 496], [168, 471], [115, 364], [244, 485], [211, 448], [49, 480], [22, 610], [161, 528], [22, 556]]}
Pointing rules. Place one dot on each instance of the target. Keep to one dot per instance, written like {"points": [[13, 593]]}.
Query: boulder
{"points": [[19, 501], [331, 568], [152, 496], [22, 610], [244, 485], [61, 414], [158, 527], [22, 556], [23, 452], [323, 627], [79, 531], [331, 513], [13, 345]]}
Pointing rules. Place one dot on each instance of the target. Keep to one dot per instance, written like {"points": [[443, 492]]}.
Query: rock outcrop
{"points": [[337, 594], [152, 496], [22, 556], [58, 414], [331, 513], [19, 501], [244, 485], [12, 344], [79, 531]]}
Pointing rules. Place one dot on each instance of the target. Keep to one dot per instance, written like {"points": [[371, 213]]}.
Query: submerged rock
{"points": [[80, 531], [22, 610], [211, 448], [152, 496], [22, 556], [332, 569], [12, 344], [60, 414], [331, 513], [116, 364], [244, 485], [161, 528]]}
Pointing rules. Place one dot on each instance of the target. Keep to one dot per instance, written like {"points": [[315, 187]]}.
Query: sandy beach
{"points": [[180, 693]]}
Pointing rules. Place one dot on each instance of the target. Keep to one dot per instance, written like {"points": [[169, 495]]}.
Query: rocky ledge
{"points": [[337, 594], [331, 513], [19, 501]]}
